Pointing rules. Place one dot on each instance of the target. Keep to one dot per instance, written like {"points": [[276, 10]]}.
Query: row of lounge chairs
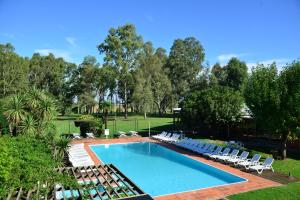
{"points": [[77, 135], [122, 134], [167, 137], [78, 156], [227, 155]]}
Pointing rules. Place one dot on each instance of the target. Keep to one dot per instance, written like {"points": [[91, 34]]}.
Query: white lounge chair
{"points": [[225, 152], [233, 154], [174, 138], [210, 149], [203, 148], [122, 134], [238, 159], [260, 167], [90, 135], [134, 134], [160, 135], [168, 136], [76, 135], [248, 163], [196, 147], [217, 151]]}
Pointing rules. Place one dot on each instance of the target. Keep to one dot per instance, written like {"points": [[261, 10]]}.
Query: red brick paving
{"points": [[253, 183]]}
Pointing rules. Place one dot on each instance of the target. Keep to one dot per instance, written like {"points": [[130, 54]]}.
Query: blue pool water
{"points": [[159, 171]]}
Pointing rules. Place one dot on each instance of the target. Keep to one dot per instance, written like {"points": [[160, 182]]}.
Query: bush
{"points": [[25, 161], [88, 123]]}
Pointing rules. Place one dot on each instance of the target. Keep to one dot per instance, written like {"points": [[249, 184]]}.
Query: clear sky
{"points": [[252, 30]]}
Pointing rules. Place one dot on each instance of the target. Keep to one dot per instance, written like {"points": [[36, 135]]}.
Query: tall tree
{"points": [[235, 74], [151, 77], [274, 100], [184, 64], [13, 71], [121, 48], [86, 83]]}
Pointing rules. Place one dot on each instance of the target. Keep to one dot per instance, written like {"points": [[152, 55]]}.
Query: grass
{"points": [[65, 124], [139, 124], [288, 192]]}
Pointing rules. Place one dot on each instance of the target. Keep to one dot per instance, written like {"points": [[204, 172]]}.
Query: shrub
{"points": [[25, 161]]}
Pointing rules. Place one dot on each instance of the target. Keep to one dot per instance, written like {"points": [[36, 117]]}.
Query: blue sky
{"points": [[253, 30]]}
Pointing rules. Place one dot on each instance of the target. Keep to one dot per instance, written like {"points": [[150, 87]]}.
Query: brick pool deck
{"points": [[253, 183]]}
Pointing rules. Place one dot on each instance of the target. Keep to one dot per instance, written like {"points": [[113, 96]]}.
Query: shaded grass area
{"points": [[288, 192], [65, 124], [141, 125]]}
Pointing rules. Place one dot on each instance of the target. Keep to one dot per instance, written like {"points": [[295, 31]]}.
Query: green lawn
{"points": [[65, 124], [287, 192], [139, 124]]}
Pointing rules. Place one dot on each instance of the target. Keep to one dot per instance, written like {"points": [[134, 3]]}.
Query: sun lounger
{"points": [[76, 135], [174, 138], [203, 148], [217, 151], [210, 149], [248, 163], [90, 135], [160, 135], [196, 147], [238, 159], [260, 167], [169, 135], [134, 134], [225, 152], [233, 154], [122, 134]]}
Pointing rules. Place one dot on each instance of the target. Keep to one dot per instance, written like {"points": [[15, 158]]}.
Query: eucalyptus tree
{"points": [[86, 82], [120, 49], [184, 64], [152, 85], [13, 71]]}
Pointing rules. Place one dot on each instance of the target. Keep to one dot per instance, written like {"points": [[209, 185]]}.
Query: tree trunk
{"points": [[284, 138], [125, 99], [228, 131], [145, 115], [105, 118]]}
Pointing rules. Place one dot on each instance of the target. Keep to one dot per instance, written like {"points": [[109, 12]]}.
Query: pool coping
{"points": [[216, 192]]}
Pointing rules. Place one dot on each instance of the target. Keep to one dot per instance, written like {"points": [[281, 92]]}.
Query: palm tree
{"points": [[61, 147], [46, 109], [15, 112], [33, 98], [28, 125]]}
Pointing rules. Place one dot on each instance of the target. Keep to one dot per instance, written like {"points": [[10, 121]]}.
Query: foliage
{"points": [[235, 75], [121, 48], [25, 161], [152, 85], [30, 113], [276, 99], [213, 105], [262, 95], [184, 64], [13, 71], [89, 123]]}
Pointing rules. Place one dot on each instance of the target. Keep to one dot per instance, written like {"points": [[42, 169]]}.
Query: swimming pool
{"points": [[160, 171]]}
